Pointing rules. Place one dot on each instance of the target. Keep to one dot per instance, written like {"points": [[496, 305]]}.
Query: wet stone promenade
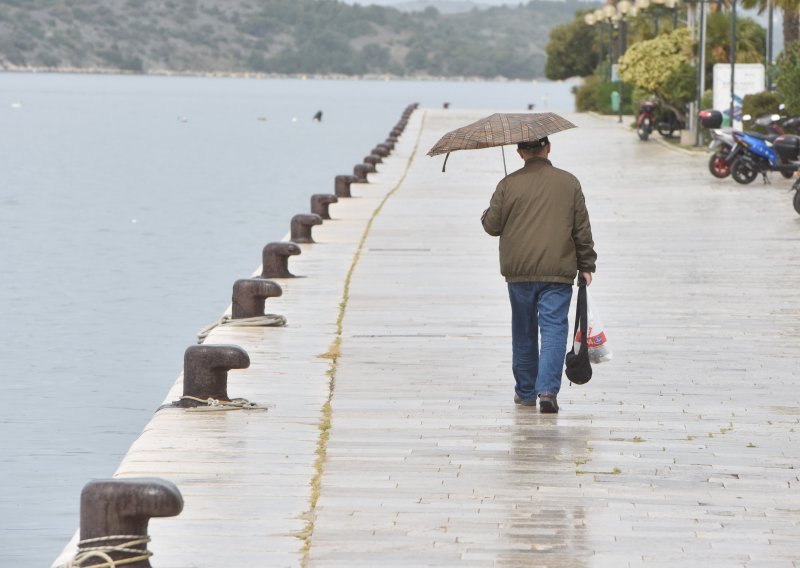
{"points": [[683, 451]]}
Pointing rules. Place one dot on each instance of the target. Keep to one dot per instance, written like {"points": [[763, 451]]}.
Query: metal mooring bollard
{"points": [[249, 296], [370, 167], [381, 150], [391, 142], [373, 159], [275, 259], [361, 171], [320, 202], [402, 124], [114, 518], [445, 105], [396, 132], [301, 227], [205, 372], [341, 185]]}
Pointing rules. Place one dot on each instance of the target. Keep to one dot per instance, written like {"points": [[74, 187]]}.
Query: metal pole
{"points": [[732, 56], [769, 45], [701, 68], [623, 40]]}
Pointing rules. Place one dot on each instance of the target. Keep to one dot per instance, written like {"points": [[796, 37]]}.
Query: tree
{"points": [[662, 66], [787, 77], [571, 51], [791, 16], [750, 39]]}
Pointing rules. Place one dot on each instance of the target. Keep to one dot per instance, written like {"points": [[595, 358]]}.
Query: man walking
{"points": [[540, 215]]}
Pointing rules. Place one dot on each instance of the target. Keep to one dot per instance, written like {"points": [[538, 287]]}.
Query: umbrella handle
{"points": [[445, 162], [503, 150]]}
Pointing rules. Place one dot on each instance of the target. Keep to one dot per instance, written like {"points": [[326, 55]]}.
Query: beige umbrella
{"points": [[500, 129]]}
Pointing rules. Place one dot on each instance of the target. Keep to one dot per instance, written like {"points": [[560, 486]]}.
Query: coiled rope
{"points": [[214, 405], [267, 320], [103, 552]]}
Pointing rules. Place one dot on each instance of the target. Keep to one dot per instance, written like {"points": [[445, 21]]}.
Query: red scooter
{"points": [[646, 119]]}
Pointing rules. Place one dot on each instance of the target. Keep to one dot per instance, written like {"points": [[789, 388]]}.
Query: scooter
{"points": [[759, 155], [646, 120], [720, 146], [669, 123], [752, 152]]}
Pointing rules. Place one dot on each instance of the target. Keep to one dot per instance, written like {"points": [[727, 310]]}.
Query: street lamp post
{"points": [[624, 8], [701, 66], [732, 56], [615, 18]]}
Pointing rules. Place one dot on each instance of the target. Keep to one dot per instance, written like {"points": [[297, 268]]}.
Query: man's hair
{"points": [[533, 146]]}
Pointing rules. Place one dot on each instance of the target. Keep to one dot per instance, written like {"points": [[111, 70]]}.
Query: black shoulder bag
{"points": [[579, 370]]}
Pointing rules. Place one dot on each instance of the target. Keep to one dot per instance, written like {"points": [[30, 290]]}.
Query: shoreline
{"points": [[387, 77]]}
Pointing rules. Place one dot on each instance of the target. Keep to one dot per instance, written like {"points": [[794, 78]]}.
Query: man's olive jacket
{"points": [[540, 215]]}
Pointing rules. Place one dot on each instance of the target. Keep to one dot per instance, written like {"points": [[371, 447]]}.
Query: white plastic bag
{"points": [[599, 351]]}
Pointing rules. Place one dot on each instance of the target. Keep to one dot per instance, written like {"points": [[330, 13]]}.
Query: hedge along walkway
{"points": [[680, 452]]}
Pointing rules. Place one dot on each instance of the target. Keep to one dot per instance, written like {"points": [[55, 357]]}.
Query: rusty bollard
{"points": [[341, 185], [391, 142], [205, 372], [301, 227], [249, 296], [320, 202], [275, 259], [114, 518], [374, 159], [361, 171], [381, 150], [370, 166]]}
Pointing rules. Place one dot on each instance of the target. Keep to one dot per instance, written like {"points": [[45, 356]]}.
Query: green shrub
{"points": [[787, 77], [595, 95], [761, 104]]}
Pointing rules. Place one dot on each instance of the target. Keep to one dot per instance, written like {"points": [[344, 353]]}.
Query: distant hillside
{"points": [[444, 6], [276, 37]]}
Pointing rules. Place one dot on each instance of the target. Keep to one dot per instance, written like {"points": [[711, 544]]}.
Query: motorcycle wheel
{"points": [[743, 171], [666, 130], [643, 130], [797, 202], [718, 167], [787, 175]]}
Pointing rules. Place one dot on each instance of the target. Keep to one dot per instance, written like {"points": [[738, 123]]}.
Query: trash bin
{"points": [[614, 101]]}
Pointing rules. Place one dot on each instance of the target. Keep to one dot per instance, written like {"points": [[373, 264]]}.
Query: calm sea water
{"points": [[128, 206]]}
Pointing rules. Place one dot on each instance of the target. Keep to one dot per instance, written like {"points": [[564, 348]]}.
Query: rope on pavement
{"points": [[267, 320]]}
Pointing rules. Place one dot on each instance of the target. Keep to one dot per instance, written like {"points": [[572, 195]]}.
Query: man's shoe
{"points": [[523, 402], [548, 403]]}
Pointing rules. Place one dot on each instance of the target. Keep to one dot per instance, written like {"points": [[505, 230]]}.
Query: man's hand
{"points": [[587, 276]]}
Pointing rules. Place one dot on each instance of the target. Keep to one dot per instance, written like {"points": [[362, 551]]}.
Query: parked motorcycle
{"points": [[668, 123], [746, 154], [646, 119], [721, 144], [759, 155]]}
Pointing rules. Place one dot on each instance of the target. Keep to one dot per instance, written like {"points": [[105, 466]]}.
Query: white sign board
{"points": [[748, 80]]}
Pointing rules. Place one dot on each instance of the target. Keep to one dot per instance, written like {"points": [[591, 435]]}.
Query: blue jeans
{"points": [[535, 307]]}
